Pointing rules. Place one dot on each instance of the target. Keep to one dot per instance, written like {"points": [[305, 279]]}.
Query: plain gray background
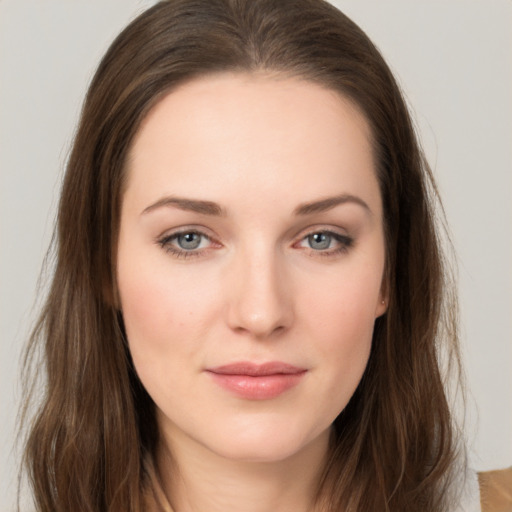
{"points": [[453, 59]]}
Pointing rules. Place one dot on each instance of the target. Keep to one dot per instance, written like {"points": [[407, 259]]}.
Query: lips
{"points": [[257, 381]]}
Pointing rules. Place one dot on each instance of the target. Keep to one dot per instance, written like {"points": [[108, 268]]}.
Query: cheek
{"points": [[149, 309], [343, 307], [146, 319], [157, 296], [341, 320], [163, 331], [164, 311]]}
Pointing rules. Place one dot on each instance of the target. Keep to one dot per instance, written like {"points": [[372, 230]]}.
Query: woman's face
{"points": [[250, 262]]}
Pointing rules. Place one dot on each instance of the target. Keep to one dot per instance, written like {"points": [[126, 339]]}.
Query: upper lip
{"points": [[257, 370]]}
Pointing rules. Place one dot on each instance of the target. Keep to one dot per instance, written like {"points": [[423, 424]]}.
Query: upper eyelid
{"points": [[210, 235], [200, 230], [319, 228], [176, 234], [340, 238], [168, 239], [166, 243], [341, 235]]}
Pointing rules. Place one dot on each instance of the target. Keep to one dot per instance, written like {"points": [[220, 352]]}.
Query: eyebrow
{"points": [[211, 208], [328, 203], [190, 205]]}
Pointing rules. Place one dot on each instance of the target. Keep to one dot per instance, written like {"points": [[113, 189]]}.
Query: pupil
{"points": [[319, 241], [189, 241]]}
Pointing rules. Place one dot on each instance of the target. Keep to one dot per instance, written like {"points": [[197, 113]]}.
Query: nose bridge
{"points": [[259, 302]]}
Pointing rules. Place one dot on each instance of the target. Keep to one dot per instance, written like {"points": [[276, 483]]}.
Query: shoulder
{"points": [[496, 490]]}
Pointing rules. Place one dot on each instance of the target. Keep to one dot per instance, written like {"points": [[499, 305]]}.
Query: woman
{"points": [[249, 294]]}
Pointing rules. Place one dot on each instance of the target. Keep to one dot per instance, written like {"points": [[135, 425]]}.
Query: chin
{"points": [[266, 445]]}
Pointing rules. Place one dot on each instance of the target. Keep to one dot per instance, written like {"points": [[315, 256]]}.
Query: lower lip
{"points": [[263, 387]]}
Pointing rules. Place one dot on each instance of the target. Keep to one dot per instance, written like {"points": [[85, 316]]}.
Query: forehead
{"points": [[255, 133]]}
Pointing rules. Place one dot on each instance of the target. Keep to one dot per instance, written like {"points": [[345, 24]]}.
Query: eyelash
{"points": [[166, 244], [345, 243]]}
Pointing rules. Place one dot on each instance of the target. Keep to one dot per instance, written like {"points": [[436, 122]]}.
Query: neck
{"points": [[195, 479]]}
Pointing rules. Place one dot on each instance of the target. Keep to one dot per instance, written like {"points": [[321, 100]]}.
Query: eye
{"points": [[184, 244], [326, 242], [189, 241], [319, 241]]}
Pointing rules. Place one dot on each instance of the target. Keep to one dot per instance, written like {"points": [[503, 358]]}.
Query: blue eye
{"points": [[189, 241], [319, 241], [185, 243], [326, 243]]}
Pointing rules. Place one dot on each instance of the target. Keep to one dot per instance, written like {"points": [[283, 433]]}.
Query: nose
{"points": [[260, 297]]}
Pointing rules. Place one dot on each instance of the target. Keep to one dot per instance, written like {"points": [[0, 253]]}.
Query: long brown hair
{"points": [[394, 446]]}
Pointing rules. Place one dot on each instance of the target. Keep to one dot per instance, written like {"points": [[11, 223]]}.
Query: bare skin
{"points": [[251, 235]]}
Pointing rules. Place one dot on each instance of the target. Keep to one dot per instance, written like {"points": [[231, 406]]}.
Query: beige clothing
{"points": [[496, 490]]}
